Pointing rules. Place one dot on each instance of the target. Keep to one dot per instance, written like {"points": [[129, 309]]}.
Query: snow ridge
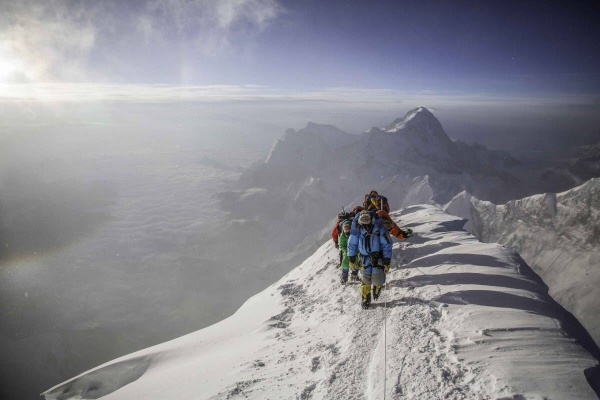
{"points": [[557, 234], [465, 320]]}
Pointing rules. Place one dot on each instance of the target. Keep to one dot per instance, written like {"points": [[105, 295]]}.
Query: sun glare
{"points": [[8, 68]]}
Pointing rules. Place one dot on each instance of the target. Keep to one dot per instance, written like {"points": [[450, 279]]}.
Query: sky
{"points": [[267, 65], [522, 47]]}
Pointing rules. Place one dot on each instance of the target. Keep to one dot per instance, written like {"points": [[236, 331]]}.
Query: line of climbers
{"points": [[363, 238]]}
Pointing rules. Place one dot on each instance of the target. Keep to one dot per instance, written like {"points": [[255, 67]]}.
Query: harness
{"points": [[369, 236]]}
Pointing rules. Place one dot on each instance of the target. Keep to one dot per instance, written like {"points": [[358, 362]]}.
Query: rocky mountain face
{"points": [[557, 234]]}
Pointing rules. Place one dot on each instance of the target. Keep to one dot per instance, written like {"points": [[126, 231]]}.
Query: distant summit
{"points": [[323, 129], [306, 147], [420, 116], [422, 130], [419, 138], [415, 145]]}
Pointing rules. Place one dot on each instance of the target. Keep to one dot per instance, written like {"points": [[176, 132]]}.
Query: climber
{"points": [[343, 242], [374, 201], [337, 228], [370, 246], [392, 228]]}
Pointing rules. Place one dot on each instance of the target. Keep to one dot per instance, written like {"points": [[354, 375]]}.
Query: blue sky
{"points": [[467, 46], [372, 60], [520, 47]]}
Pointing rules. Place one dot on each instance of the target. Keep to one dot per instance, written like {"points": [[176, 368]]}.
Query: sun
{"points": [[8, 67]]}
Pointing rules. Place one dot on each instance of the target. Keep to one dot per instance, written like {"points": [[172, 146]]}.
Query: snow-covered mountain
{"points": [[557, 234], [412, 146], [310, 174], [460, 319]]}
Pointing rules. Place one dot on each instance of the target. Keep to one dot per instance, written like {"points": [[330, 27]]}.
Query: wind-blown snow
{"points": [[557, 234], [460, 319]]}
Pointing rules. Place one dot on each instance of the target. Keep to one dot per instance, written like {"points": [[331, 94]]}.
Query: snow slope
{"points": [[557, 234], [460, 319]]}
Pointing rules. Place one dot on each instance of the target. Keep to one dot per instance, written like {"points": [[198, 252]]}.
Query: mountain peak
{"points": [[420, 112], [305, 147], [419, 116], [322, 129], [422, 128]]}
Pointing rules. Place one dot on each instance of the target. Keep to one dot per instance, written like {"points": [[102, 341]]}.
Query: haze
{"points": [[120, 121]]}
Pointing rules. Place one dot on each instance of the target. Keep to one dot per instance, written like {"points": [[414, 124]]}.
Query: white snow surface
{"points": [[460, 319], [557, 234]]}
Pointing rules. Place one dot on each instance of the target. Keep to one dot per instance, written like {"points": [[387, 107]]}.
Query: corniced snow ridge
{"points": [[460, 319], [557, 234]]}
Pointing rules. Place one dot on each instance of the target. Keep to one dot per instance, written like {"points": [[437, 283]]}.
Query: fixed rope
{"points": [[385, 345], [436, 285]]}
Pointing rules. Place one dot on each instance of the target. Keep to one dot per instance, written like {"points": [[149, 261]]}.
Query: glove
{"points": [[407, 232], [352, 263], [337, 246], [386, 265]]}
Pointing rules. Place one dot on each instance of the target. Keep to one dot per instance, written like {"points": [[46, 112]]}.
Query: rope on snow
{"points": [[385, 345]]}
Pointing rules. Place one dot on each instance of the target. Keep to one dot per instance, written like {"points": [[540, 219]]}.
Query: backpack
{"points": [[375, 202], [343, 216], [369, 202]]}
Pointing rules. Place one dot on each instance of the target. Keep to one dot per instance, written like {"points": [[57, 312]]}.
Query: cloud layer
{"points": [[254, 113]]}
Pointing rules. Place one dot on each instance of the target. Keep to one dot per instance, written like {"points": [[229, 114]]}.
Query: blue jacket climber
{"points": [[369, 243], [369, 238]]}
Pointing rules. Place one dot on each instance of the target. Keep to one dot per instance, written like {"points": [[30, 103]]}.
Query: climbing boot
{"points": [[376, 292], [344, 279], [365, 290], [366, 302]]}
